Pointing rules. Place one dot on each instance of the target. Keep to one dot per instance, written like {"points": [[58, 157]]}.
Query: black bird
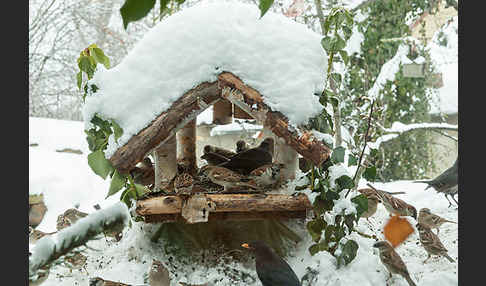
{"points": [[214, 158], [272, 270], [241, 146], [445, 183], [247, 161]]}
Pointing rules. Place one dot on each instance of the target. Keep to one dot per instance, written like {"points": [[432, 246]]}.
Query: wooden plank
{"points": [[183, 110], [231, 216], [228, 203]]}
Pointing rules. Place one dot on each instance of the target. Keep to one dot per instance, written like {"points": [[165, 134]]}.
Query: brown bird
{"points": [[431, 220], [395, 205], [241, 146], [392, 261], [431, 243], [271, 269], [183, 181], [268, 175], [145, 174], [35, 235], [218, 150], [69, 217], [247, 161], [373, 200], [214, 159], [228, 179]]}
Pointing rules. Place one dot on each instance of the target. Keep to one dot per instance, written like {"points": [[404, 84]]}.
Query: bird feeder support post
{"points": [[165, 163], [283, 153], [186, 151]]}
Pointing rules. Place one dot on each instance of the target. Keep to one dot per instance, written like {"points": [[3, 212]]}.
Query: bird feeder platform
{"points": [[232, 207]]}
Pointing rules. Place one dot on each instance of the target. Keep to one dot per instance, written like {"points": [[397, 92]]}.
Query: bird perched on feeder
{"points": [[69, 217], [241, 146], [216, 156], [373, 200], [268, 175], [392, 261], [446, 182], [431, 243], [271, 269], [395, 205], [431, 220], [227, 178], [145, 174], [183, 181], [247, 161]]}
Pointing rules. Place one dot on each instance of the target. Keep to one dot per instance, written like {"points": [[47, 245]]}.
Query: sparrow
{"points": [[271, 269], [446, 182], [395, 205], [241, 146], [373, 200], [268, 175], [431, 243], [247, 161], [145, 174], [183, 181], [431, 220], [392, 261], [68, 218], [228, 179], [35, 235]]}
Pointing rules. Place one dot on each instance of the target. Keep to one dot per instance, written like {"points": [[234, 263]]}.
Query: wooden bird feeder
{"points": [[171, 137]]}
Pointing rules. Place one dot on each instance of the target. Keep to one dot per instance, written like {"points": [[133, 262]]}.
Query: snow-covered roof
{"points": [[280, 58]]}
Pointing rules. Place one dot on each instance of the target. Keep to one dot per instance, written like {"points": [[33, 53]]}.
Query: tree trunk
{"points": [[165, 163], [186, 149], [222, 112]]}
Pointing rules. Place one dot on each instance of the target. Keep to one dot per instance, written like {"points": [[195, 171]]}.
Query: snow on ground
{"points": [[212, 36], [66, 180]]}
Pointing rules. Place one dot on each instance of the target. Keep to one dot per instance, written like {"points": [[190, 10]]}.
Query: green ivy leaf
{"points": [[117, 183], [134, 10], [370, 173], [326, 43], [100, 57], [348, 252], [361, 203], [99, 164], [331, 196], [348, 221], [79, 79], [315, 248], [85, 65], [264, 6], [117, 130], [345, 182], [141, 190], [163, 6], [337, 78], [315, 228], [337, 155], [373, 152], [352, 160], [344, 56]]}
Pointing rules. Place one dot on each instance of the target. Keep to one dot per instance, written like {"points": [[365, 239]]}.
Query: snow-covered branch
{"points": [[49, 248]]}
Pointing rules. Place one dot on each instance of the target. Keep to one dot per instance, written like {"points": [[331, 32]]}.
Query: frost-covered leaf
{"points": [[99, 164], [361, 203], [348, 253], [264, 6], [370, 173], [117, 183], [337, 155], [134, 10]]}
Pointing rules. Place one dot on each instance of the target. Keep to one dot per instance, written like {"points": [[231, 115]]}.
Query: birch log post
{"points": [[186, 149], [165, 163], [222, 112], [283, 153]]}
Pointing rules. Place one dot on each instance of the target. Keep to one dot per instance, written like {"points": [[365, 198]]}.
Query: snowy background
{"points": [[67, 181]]}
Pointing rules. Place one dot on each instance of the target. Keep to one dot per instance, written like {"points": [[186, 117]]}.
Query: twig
{"points": [[364, 147], [445, 134]]}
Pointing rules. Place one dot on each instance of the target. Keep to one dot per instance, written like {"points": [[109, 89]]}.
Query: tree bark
{"points": [[222, 112], [247, 203], [186, 149], [165, 158], [231, 216], [183, 110], [241, 114]]}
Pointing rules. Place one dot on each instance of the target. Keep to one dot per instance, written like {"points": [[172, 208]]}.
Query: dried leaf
{"points": [[397, 229]]}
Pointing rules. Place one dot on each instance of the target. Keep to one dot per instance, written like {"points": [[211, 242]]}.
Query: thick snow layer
{"points": [[235, 126], [280, 58], [129, 260]]}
